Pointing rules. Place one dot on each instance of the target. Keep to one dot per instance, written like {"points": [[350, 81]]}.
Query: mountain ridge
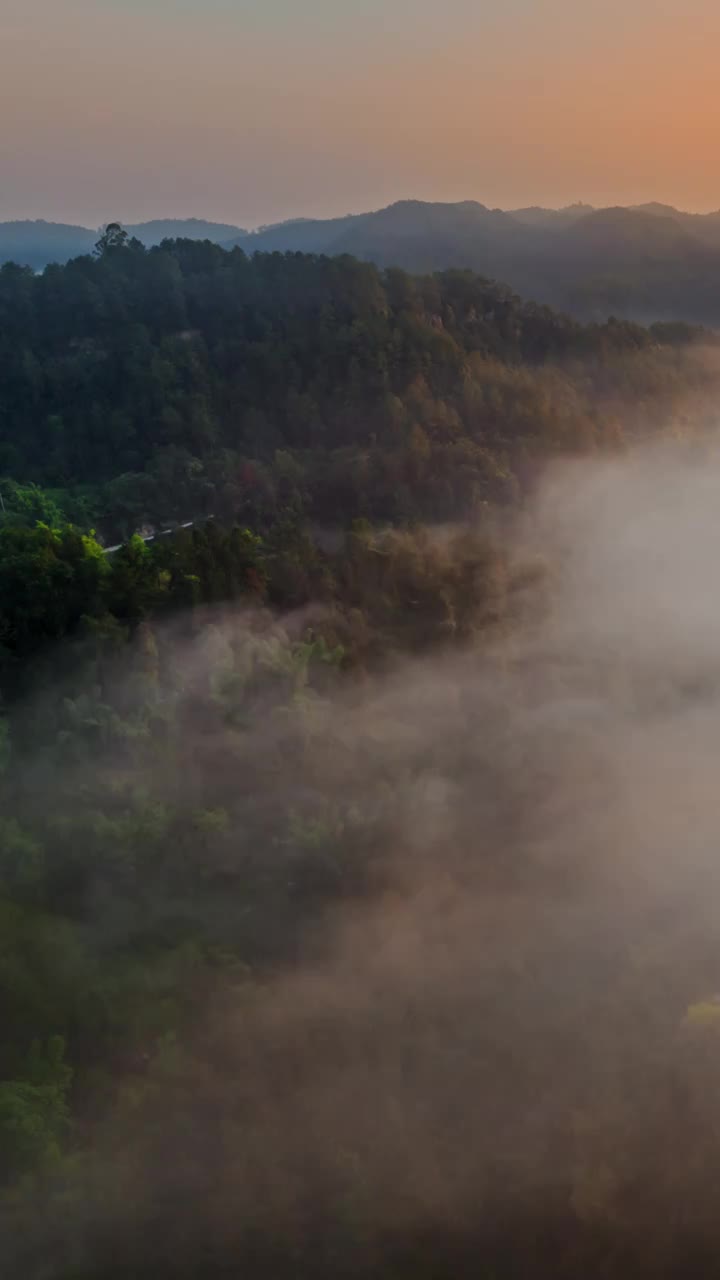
{"points": [[642, 263], [36, 242]]}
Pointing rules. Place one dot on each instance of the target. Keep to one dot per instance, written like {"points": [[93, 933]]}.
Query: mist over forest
{"points": [[359, 691]]}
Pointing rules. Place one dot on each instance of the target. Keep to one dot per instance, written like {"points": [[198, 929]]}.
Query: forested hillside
{"points": [[357, 872], [145, 386]]}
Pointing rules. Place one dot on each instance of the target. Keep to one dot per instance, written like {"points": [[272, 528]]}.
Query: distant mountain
{"points": [[536, 216], [35, 244], [298, 235], [413, 234], [614, 233], [652, 263], [704, 226], [408, 222], [421, 234], [669, 211], [447, 234], [662, 210], [182, 229]]}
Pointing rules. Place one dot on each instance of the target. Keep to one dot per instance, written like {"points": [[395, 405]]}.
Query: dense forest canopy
{"points": [[357, 840], [147, 386]]}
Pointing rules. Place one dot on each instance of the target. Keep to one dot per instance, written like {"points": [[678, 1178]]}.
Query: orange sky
{"points": [[251, 112]]}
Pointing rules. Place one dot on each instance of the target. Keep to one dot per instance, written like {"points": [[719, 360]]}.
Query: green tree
{"points": [[34, 1112], [114, 236]]}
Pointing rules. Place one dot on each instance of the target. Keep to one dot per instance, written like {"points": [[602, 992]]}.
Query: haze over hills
{"points": [[639, 263], [537, 216], [37, 243], [183, 229], [646, 263]]}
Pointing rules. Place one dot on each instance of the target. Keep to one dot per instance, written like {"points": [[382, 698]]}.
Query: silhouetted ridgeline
{"points": [[37, 243], [646, 263]]}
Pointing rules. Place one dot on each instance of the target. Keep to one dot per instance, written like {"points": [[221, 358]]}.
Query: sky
{"points": [[251, 112]]}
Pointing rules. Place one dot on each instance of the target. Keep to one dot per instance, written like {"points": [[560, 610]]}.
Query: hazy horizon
{"points": [[254, 114], [178, 215]]}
